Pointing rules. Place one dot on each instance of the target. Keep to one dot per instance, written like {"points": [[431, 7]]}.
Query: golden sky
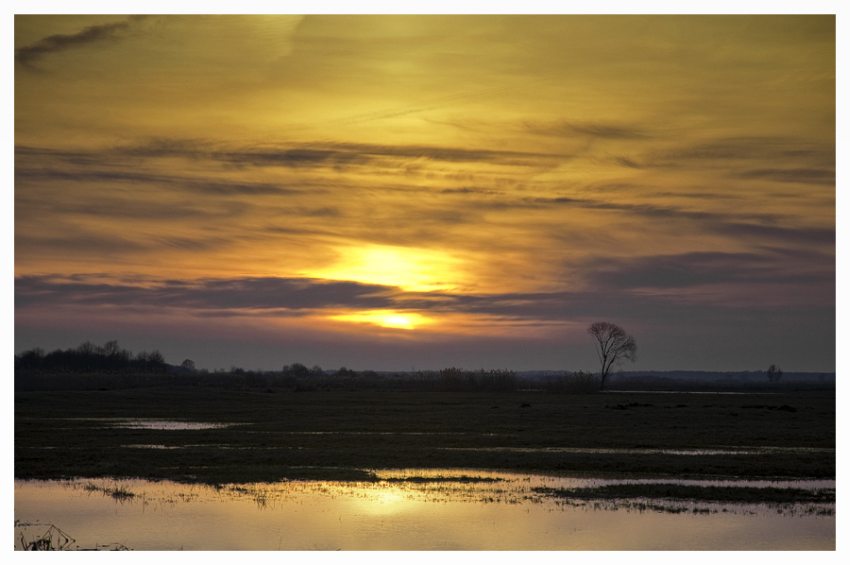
{"points": [[397, 191]]}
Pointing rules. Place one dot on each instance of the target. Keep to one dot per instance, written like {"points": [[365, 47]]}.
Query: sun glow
{"points": [[386, 319], [410, 269]]}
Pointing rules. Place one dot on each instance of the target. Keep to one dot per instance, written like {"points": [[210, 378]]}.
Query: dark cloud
{"points": [[786, 235], [293, 158], [122, 163], [606, 131], [348, 154], [297, 296], [611, 291], [262, 293], [626, 162], [739, 149], [644, 210], [467, 190], [601, 130], [209, 294], [797, 175], [696, 195], [26, 244], [190, 243], [76, 241], [197, 185], [707, 268], [328, 154], [30, 54], [107, 206], [771, 227], [27, 153]]}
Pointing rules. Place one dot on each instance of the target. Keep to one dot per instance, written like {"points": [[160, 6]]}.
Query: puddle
{"points": [[153, 446], [648, 451], [414, 509], [753, 393], [151, 424]]}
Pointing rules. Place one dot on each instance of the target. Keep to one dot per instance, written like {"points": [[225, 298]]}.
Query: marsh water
{"points": [[411, 509]]}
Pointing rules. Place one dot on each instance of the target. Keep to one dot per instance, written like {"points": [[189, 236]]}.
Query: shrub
{"points": [[577, 382]]}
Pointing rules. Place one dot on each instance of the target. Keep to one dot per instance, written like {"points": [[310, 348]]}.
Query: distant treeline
{"points": [[88, 357], [106, 367], [109, 367]]}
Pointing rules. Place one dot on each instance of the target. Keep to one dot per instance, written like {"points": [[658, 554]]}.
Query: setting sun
{"points": [[387, 319]]}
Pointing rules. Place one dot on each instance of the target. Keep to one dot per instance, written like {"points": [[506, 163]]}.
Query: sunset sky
{"points": [[391, 192]]}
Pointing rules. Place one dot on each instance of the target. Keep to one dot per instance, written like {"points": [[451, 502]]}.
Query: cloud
{"points": [[127, 208], [121, 163], [467, 190], [787, 235], [113, 244], [796, 175], [626, 162], [263, 293], [200, 185], [70, 240], [763, 226], [697, 269], [599, 130], [731, 150], [276, 296], [613, 288], [329, 154], [52, 44], [206, 294]]}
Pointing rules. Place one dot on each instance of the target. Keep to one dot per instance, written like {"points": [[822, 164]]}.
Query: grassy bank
{"points": [[693, 493]]}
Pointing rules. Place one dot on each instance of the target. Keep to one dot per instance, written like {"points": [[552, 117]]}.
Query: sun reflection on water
{"points": [[407, 509]]}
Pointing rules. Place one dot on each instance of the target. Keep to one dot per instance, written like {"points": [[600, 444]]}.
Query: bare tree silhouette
{"points": [[613, 345]]}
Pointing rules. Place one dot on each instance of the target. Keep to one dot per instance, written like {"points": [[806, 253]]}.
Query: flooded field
{"points": [[308, 470], [415, 510]]}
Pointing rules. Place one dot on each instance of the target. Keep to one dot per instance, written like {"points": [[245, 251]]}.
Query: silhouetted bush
{"points": [[454, 379], [774, 374], [578, 382], [296, 370]]}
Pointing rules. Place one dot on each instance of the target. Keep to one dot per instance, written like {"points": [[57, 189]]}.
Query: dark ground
{"points": [[360, 430]]}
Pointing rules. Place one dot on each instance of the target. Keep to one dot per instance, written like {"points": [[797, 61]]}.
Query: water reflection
{"points": [[697, 451], [151, 424], [409, 509]]}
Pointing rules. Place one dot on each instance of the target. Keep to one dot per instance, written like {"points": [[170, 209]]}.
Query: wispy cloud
{"points": [[614, 287], [293, 155], [795, 175], [250, 293], [343, 154], [737, 151], [693, 269], [198, 184], [52, 44], [600, 130]]}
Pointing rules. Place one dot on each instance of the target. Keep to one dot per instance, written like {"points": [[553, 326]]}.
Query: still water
{"points": [[407, 510]]}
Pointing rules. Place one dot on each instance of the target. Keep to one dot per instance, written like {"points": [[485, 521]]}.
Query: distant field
{"points": [[343, 434]]}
